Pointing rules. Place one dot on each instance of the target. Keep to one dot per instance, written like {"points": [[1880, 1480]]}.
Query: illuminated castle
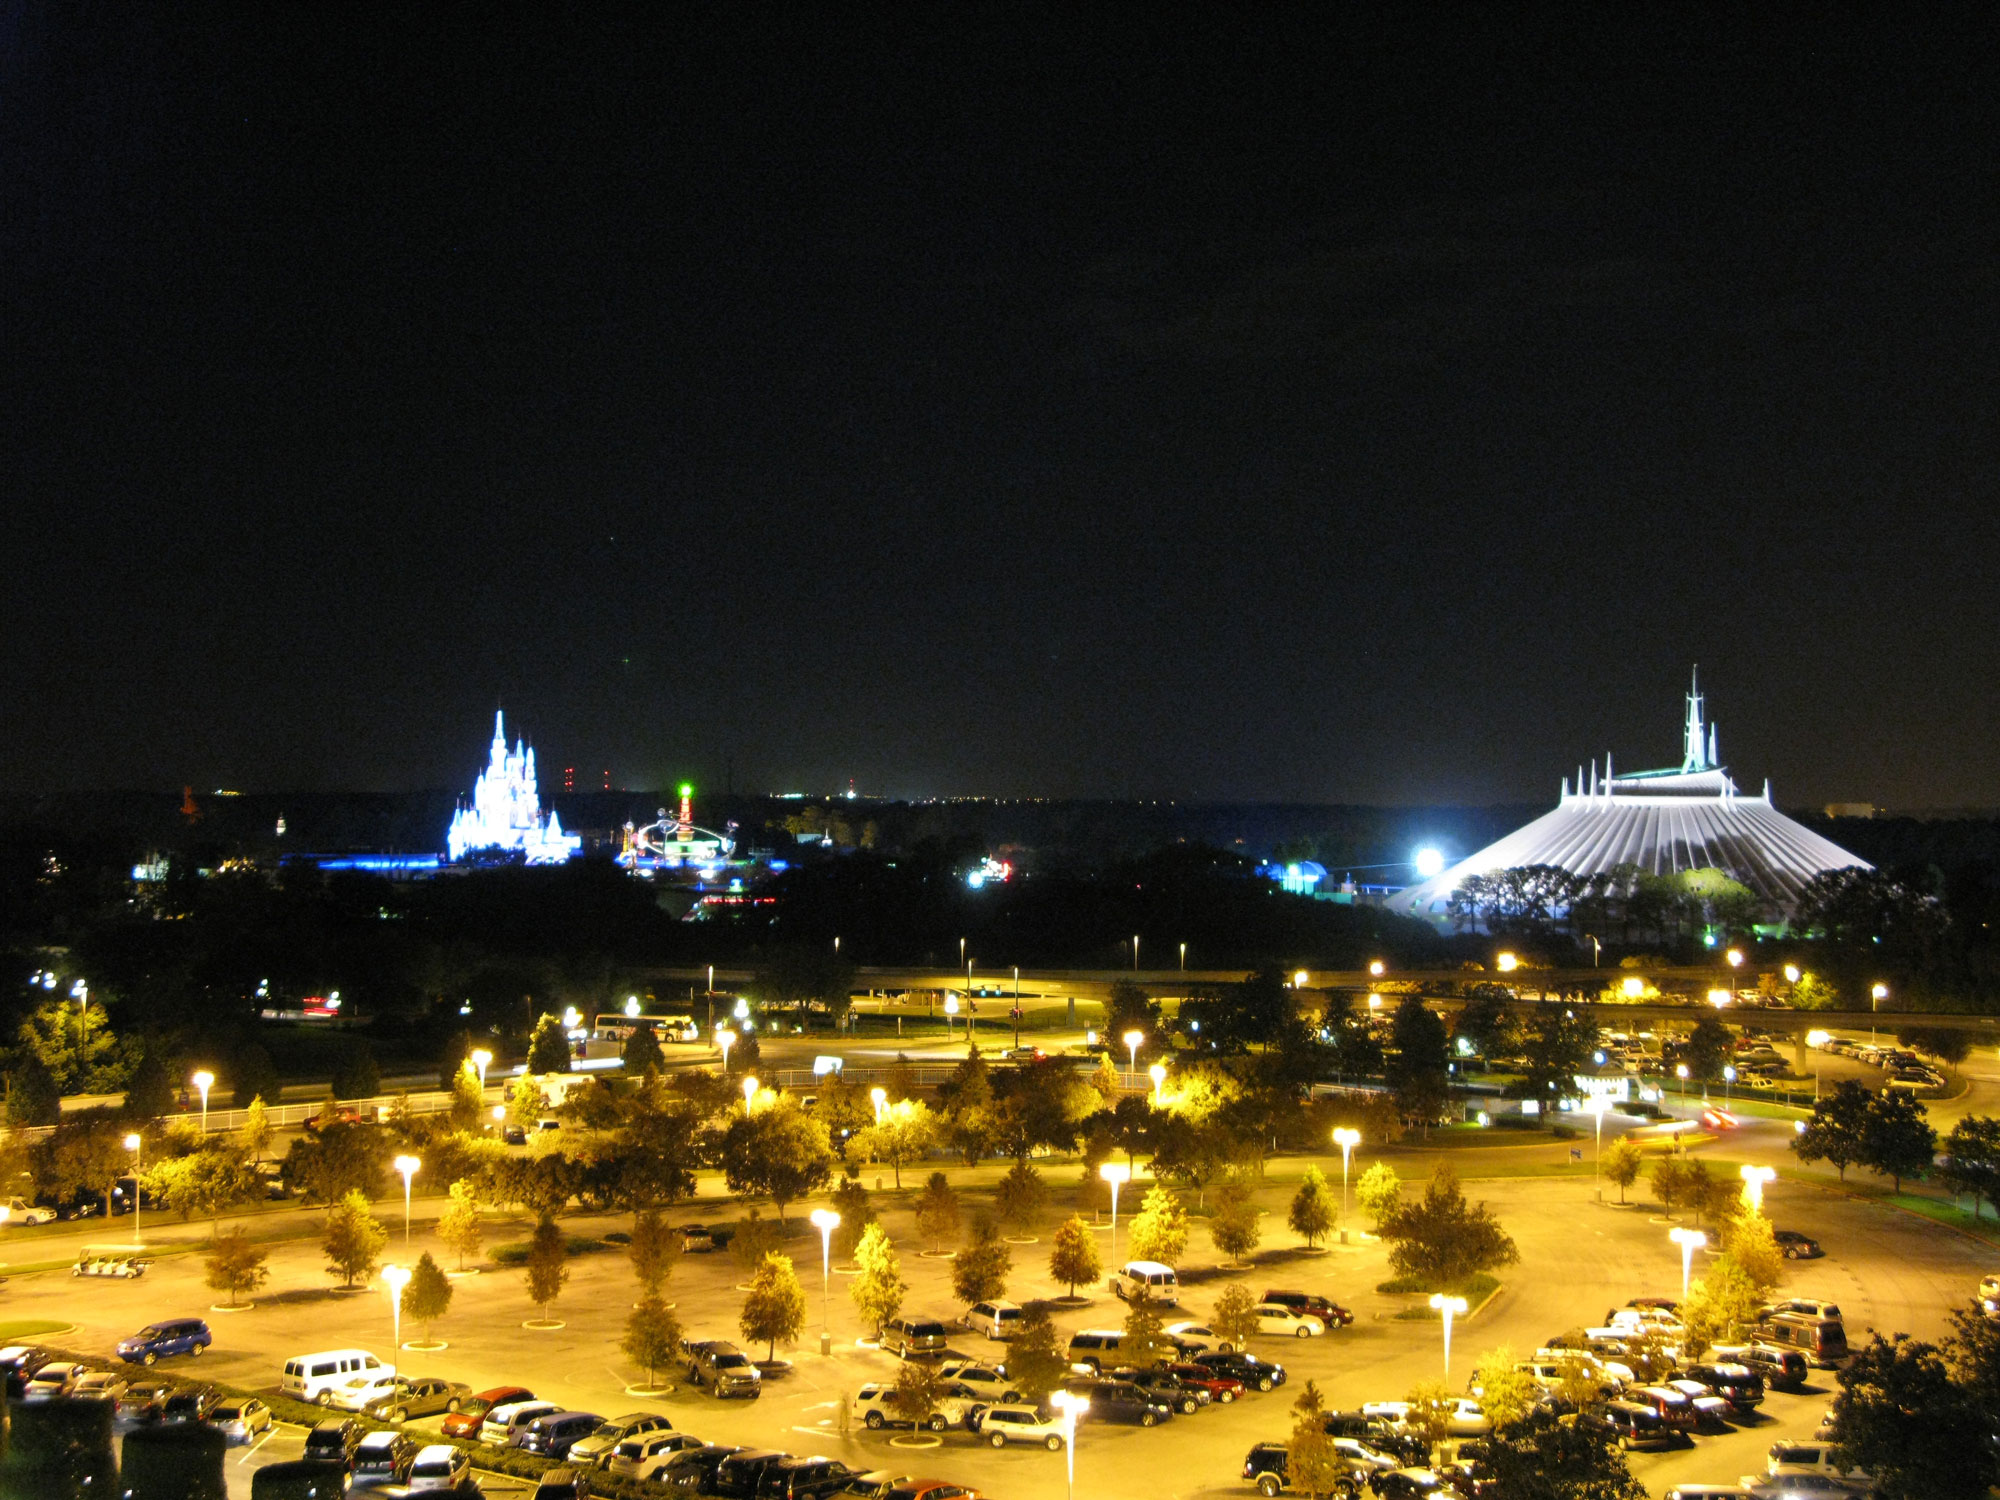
{"points": [[505, 814]]}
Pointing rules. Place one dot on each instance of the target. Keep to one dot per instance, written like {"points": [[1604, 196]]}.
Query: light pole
{"points": [[134, 1144], [1158, 1073], [1071, 1407], [725, 1039], [1754, 1179], [1817, 1040], [1347, 1139], [409, 1166], [480, 1058], [395, 1278], [1114, 1173], [1876, 995], [826, 1221], [204, 1080], [1690, 1240], [749, 1090], [1728, 1080], [1598, 1105], [1447, 1308], [1184, 958], [1681, 1072], [950, 1010], [1132, 1041], [879, 1097]]}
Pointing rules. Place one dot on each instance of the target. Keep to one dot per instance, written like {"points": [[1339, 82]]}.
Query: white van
{"points": [[1148, 1276], [313, 1377]]}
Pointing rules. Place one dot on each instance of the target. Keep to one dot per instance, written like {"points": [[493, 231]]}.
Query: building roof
{"points": [[1687, 818]]}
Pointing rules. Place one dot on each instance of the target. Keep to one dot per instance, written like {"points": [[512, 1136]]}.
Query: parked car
{"points": [[21, 1211], [1803, 1307], [383, 1458], [1328, 1312], [190, 1403], [915, 1338], [99, 1385], [719, 1366], [1711, 1412], [439, 1466], [1257, 1374], [334, 1441], [643, 1457], [1197, 1338], [1222, 1389], [1019, 1423], [502, 1423], [1265, 1467], [987, 1381], [359, 1392], [1783, 1457], [141, 1401], [1823, 1341], [241, 1418], [597, 1446], [1410, 1484], [53, 1379], [1286, 1322], [997, 1320], [18, 1363], [1164, 1386], [690, 1470], [1119, 1401], [564, 1483], [554, 1433], [737, 1476], [809, 1478], [472, 1410], [955, 1406], [312, 1377], [157, 1341], [416, 1396], [929, 1489], [1156, 1280], [1739, 1385], [1466, 1418], [1782, 1369], [1789, 1482], [1633, 1424]]}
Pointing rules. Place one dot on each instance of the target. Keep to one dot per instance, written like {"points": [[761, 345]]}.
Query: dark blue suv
{"points": [[157, 1340]]}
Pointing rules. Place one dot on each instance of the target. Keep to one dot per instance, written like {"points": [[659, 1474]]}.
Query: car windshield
{"points": [[151, 1332]]}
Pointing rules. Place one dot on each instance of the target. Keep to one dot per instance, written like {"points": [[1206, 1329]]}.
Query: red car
{"points": [[464, 1423], [1222, 1388], [931, 1489]]}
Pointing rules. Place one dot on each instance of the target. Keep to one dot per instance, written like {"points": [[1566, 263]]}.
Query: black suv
{"points": [[1739, 1385], [1258, 1374], [1120, 1401], [188, 1404], [1265, 1468], [334, 1441], [738, 1476], [1163, 1386], [1404, 1447], [803, 1479], [1780, 1369], [692, 1470]]}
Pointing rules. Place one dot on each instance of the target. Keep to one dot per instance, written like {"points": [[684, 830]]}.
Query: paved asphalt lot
{"points": [[1889, 1271]]}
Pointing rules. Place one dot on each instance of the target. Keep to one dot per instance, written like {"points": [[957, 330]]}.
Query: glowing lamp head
{"points": [[825, 1220], [1634, 987], [1115, 1172], [499, 1112], [570, 1017], [1681, 1071], [879, 1096], [204, 1080], [395, 1278], [1158, 1073], [1880, 992], [1506, 963], [481, 1057], [749, 1089], [1301, 979], [1429, 862], [1718, 998], [409, 1166], [1791, 973], [951, 1005], [132, 1142], [1346, 1137], [1818, 1038], [631, 1005], [1376, 968], [1730, 1074], [1735, 957]]}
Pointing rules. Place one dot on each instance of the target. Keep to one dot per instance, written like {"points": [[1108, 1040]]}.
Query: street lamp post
{"points": [[1135, 953], [725, 1039], [80, 992], [1728, 1079], [826, 1221], [204, 1080], [879, 1097], [1447, 1308], [1817, 1040], [409, 1166], [1690, 1240], [1876, 995], [1681, 1072], [749, 1090], [1598, 1105], [950, 1010], [1071, 1407], [395, 1278], [136, 1146], [1184, 958], [1754, 1179], [1132, 1040], [1158, 1073], [480, 1058], [1114, 1173], [1347, 1139]]}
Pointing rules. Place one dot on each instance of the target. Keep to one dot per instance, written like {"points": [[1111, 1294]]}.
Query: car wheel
{"points": [[1305, 1333], [196, 1350], [996, 1439], [400, 1414], [874, 1420], [1054, 1443], [1188, 1406], [153, 1359], [1226, 1347], [1147, 1419], [452, 1404], [1265, 1383], [1268, 1486], [1790, 1253], [1225, 1397], [937, 1423]]}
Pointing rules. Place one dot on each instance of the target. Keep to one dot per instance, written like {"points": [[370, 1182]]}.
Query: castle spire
{"points": [[1694, 754]]}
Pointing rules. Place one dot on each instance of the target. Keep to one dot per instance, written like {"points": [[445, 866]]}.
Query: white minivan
{"points": [[1148, 1276], [312, 1377]]}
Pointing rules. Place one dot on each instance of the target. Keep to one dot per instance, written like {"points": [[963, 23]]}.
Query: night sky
{"points": [[1376, 407]]}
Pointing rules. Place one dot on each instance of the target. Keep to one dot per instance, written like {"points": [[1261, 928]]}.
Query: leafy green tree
{"points": [[937, 1211], [778, 1150], [879, 1290], [1160, 1228], [1313, 1466], [641, 1053], [150, 1094], [1546, 1457], [1036, 1363], [1380, 1193], [339, 1159], [1505, 1393], [548, 1269], [1428, 1417], [1670, 1182], [1896, 1138], [908, 1129], [1706, 1050], [462, 1227], [1903, 1417], [979, 1274], [253, 1136], [353, 1239], [1750, 1245], [1484, 1023], [428, 1296], [1417, 1071], [33, 1095], [775, 1306], [1441, 1241], [802, 979], [235, 1266], [548, 1047], [916, 1394], [654, 1250], [467, 1104], [1235, 1315], [1559, 1046], [1971, 1163], [76, 1047], [1073, 1257], [1973, 1351], [252, 1075], [755, 1237], [1145, 1342], [1717, 1305], [357, 1076], [1235, 1228], [850, 1201], [652, 1336], [206, 1183], [84, 1153], [1313, 1211], [1620, 1164], [1021, 1197], [1834, 1133]]}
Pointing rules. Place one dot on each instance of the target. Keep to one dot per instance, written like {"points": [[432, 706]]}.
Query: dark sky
{"points": [[1366, 406]]}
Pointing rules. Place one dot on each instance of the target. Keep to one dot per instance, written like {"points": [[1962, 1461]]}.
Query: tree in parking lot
{"points": [[341, 1157], [235, 1266], [1896, 1137], [1313, 1466], [1234, 1227], [1160, 1228], [1440, 1241], [937, 1211], [353, 1239], [33, 1095], [547, 1271], [1020, 1197], [428, 1296], [1429, 1416], [1312, 1213], [85, 1153], [979, 1274], [548, 1047], [850, 1201], [908, 1129], [1920, 1432], [1145, 1343], [1546, 1457], [1073, 1257], [461, 1227], [652, 1336], [1971, 1163], [1749, 1244], [1670, 1182], [1235, 1315], [879, 1290], [775, 1306], [1506, 1394], [1620, 1164], [915, 1397], [1717, 1305], [1379, 1192], [1036, 1363], [654, 1250], [1833, 1134], [205, 1182], [777, 1149]]}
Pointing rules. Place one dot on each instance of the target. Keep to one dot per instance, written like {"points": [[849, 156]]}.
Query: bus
{"points": [[616, 1026]]}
